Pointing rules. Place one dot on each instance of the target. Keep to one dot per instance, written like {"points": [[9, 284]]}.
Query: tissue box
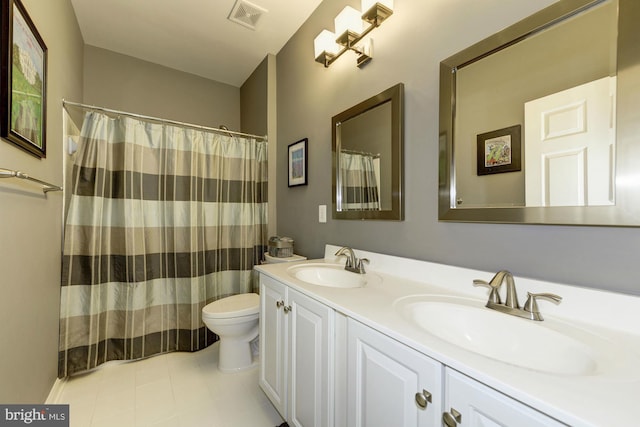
{"points": [[281, 247]]}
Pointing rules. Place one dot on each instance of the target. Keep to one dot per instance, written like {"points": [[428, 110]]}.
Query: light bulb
{"points": [[325, 42], [367, 4], [349, 19]]}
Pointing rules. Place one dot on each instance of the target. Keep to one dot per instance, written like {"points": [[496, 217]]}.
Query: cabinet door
{"points": [[482, 406], [311, 338], [384, 379], [273, 342]]}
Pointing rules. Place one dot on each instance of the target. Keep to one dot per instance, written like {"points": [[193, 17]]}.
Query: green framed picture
{"points": [[23, 69]]}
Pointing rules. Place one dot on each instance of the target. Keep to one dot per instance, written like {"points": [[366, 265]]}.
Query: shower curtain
{"points": [[162, 220], [359, 181]]}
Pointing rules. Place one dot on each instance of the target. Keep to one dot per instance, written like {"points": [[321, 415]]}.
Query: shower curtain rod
{"points": [[374, 155], [157, 119]]}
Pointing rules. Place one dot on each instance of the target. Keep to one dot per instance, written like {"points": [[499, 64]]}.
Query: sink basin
{"points": [[330, 275], [533, 345]]}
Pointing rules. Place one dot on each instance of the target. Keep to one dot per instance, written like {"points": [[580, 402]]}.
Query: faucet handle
{"points": [[360, 265], [531, 305], [494, 296]]}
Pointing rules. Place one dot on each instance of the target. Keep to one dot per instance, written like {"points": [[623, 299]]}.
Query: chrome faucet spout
{"points": [[352, 264], [348, 252], [511, 300], [504, 276]]}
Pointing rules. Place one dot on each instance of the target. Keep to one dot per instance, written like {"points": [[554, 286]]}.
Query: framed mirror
{"points": [[540, 123], [367, 152]]}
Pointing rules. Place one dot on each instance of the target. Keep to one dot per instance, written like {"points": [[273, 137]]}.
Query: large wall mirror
{"points": [[367, 142], [540, 123]]}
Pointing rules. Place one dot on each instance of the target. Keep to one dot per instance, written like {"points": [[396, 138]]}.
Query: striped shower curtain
{"points": [[162, 220], [359, 182]]}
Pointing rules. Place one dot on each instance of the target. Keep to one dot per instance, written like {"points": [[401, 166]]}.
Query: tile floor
{"points": [[171, 390]]}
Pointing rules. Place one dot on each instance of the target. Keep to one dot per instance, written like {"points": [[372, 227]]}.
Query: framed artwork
{"points": [[298, 163], [499, 151], [23, 89]]}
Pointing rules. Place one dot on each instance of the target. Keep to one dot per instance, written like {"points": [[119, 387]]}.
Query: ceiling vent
{"points": [[246, 14]]}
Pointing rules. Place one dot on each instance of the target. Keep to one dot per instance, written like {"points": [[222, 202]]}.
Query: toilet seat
{"points": [[234, 306]]}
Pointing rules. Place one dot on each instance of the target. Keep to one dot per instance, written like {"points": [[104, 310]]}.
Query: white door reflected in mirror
{"points": [[570, 146]]}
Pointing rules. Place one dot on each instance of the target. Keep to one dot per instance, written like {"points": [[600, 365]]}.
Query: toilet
{"points": [[235, 320]]}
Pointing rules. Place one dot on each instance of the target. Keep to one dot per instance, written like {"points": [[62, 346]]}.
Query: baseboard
{"points": [[56, 391]]}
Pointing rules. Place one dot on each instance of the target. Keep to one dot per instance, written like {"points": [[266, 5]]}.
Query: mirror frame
{"points": [[626, 212], [395, 95]]}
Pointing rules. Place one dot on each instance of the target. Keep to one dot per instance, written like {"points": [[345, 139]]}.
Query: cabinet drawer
{"points": [[480, 405]]}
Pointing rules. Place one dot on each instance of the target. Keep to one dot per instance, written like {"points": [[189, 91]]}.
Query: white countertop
{"points": [[591, 400]]}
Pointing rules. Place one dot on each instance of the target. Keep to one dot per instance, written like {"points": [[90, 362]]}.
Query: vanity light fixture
{"points": [[350, 31]]}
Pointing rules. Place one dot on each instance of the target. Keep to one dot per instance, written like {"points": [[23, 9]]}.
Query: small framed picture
{"points": [[298, 163], [499, 151], [23, 87]]}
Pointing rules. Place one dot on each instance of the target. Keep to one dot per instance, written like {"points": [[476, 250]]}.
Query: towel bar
{"points": [[46, 187]]}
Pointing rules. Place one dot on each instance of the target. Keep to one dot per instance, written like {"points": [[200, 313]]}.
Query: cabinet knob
{"points": [[423, 399], [279, 304], [451, 419], [287, 308]]}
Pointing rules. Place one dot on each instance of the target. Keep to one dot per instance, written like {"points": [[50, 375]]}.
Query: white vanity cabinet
{"points": [[476, 405], [273, 342], [296, 351], [334, 356], [388, 383]]}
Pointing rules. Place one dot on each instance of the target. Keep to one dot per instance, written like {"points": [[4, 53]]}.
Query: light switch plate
{"points": [[322, 213]]}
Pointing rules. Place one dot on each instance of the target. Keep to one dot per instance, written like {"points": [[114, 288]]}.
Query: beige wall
{"points": [[408, 48], [30, 231], [124, 83]]}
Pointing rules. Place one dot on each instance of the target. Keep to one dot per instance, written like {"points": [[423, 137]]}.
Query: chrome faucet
{"points": [[495, 283], [511, 306], [353, 264]]}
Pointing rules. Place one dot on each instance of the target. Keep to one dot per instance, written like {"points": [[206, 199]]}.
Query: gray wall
{"points": [[258, 116], [253, 101], [408, 49], [30, 233], [121, 82]]}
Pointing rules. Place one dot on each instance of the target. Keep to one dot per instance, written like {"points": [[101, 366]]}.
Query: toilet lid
{"points": [[233, 306], [274, 260]]}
